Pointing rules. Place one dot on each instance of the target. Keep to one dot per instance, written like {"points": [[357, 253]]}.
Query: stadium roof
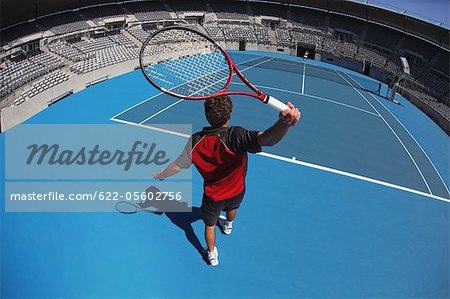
{"points": [[435, 12], [429, 30]]}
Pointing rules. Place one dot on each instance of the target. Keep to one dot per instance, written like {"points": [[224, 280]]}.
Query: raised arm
{"points": [[275, 133]]}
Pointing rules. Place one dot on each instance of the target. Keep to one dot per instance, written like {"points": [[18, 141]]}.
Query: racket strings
{"points": [[186, 63]]}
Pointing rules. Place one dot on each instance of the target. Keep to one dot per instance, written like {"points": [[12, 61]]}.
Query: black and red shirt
{"points": [[220, 155]]}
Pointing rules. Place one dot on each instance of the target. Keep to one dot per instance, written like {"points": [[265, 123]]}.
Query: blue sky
{"points": [[435, 9]]}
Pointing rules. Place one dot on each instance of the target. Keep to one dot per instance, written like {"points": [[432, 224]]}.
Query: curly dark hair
{"points": [[218, 110]]}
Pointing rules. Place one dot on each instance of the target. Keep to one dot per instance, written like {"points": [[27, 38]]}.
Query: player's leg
{"points": [[210, 237], [233, 204], [231, 215], [210, 211]]}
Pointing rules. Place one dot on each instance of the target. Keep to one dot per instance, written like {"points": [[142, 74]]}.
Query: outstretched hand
{"points": [[290, 116], [159, 175]]}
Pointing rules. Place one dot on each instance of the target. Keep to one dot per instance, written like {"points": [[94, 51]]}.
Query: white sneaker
{"points": [[225, 225], [213, 257]]}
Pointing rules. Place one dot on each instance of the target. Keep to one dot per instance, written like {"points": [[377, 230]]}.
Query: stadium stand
{"points": [[153, 15], [149, 11], [283, 37], [232, 16], [304, 27], [73, 40], [349, 50], [328, 44], [306, 38], [233, 32], [69, 27], [20, 72], [214, 31], [140, 33], [47, 82], [365, 54], [63, 23], [262, 33], [65, 50], [105, 57]]}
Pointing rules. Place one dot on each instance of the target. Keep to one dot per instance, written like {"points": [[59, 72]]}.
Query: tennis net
{"points": [[313, 71]]}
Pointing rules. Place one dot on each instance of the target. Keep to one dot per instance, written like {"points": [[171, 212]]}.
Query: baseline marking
{"points": [[307, 164], [161, 93], [398, 138]]}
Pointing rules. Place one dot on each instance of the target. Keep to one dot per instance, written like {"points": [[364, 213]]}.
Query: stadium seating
{"points": [[283, 37], [140, 33], [236, 21], [306, 38], [47, 82], [214, 31], [328, 44], [349, 50], [262, 33], [67, 51], [368, 55], [231, 16], [70, 27], [18, 73], [105, 57], [234, 32], [153, 15]]}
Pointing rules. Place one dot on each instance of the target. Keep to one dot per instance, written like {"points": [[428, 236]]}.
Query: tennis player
{"points": [[219, 153]]}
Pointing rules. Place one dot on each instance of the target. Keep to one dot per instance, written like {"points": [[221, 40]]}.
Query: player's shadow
{"points": [[178, 212], [184, 221]]}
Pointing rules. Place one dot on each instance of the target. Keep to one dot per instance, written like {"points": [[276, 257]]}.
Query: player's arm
{"points": [[170, 170], [275, 133], [184, 160]]}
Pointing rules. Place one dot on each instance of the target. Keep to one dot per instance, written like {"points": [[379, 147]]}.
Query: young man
{"points": [[219, 153]]}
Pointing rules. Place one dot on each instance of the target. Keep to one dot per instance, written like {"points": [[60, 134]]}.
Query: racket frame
{"points": [[232, 68]]}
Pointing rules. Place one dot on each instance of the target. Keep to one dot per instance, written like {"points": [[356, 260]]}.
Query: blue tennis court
{"points": [[353, 202]]}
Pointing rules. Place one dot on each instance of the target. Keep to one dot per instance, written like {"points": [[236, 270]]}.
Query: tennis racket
{"points": [[188, 64], [127, 207]]}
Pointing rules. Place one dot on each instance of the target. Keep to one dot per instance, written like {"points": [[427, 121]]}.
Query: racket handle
{"points": [[275, 104]]}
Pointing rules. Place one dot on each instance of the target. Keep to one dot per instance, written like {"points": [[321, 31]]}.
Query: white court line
{"points": [[151, 128], [311, 96], [398, 138], [161, 111], [303, 80], [142, 102], [432, 164], [355, 176], [177, 102], [306, 164], [160, 93]]}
